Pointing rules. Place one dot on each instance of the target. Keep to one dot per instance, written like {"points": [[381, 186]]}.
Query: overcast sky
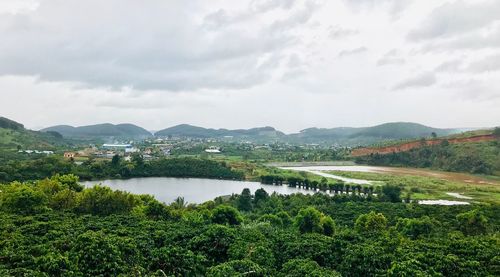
{"points": [[289, 64]]}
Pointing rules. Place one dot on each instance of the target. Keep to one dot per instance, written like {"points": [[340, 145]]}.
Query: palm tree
{"points": [[359, 189], [365, 190], [179, 203]]}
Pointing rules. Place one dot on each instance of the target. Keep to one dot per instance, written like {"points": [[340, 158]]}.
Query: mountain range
{"points": [[125, 130], [348, 136]]}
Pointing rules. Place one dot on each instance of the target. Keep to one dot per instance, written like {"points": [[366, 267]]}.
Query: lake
{"points": [[194, 190]]}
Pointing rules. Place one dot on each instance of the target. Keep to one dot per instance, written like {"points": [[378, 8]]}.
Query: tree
{"points": [[101, 200], [472, 222], [245, 200], [391, 193], [156, 210], [179, 203], [96, 255], [226, 215], [309, 220], [115, 161], [236, 268], [433, 135], [64, 200], [137, 160], [260, 195], [328, 225], [23, 199], [496, 132], [214, 243], [415, 227], [371, 223], [306, 267], [410, 267], [176, 261], [69, 180]]}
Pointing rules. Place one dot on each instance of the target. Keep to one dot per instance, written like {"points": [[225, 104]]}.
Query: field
{"points": [[427, 184]]}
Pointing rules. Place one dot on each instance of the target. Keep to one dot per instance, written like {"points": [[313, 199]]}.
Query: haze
{"points": [[239, 64]]}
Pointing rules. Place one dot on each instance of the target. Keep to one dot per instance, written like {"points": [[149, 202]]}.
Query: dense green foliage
{"points": [[116, 168], [65, 230], [478, 157]]}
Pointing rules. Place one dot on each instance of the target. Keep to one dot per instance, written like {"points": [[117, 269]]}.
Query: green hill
{"points": [[186, 130], [14, 136], [100, 130], [368, 135], [347, 136]]}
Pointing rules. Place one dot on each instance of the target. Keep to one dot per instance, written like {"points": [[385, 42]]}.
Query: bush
{"points": [[371, 223], [23, 199], [101, 200], [226, 215], [236, 268]]}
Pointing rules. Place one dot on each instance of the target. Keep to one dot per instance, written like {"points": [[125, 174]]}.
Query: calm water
{"points": [[192, 189], [319, 170]]}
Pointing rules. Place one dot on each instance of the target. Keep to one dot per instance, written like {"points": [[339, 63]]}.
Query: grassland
{"points": [[426, 187]]}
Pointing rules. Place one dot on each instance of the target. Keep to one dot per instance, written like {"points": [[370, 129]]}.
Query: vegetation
{"points": [[344, 135], [476, 158], [431, 187], [101, 130], [23, 170], [54, 227]]}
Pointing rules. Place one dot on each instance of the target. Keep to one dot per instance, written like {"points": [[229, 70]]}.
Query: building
{"points": [[69, 155], [117, 146], [212, 149]]}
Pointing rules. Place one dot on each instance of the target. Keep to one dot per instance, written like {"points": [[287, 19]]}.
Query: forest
{"points": [[43, 167], [55, 227]]}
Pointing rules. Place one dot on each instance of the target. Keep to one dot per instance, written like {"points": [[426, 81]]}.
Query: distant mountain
{"points": [[350, 136], [100, 130], [14, 136], [347, 136], [400, 130], [186, 130]]}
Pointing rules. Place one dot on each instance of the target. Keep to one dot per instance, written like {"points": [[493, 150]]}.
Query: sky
{"points": [[290, 64]]}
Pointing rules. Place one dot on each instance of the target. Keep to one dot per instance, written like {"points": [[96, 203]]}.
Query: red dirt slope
{"points": [[414, 144]]}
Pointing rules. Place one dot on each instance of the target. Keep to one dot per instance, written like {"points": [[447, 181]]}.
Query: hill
{"points": [[186, 130], [472, 152], [345, 136], [14, 136], [350, 136], [100, 130]]}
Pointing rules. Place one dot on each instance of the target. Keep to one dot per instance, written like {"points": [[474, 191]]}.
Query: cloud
{"points": [[394, 7], [449, 66], [390, 58], [160, 46], [227, 63], [339, 32], [487, 64], [267, 5], [490, 63], [299, 17], [474, 89], [350, 52], [423, 80], [456, 18]]}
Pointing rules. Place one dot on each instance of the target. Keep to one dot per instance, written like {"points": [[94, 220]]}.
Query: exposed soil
{"points": [[415, 144]]}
